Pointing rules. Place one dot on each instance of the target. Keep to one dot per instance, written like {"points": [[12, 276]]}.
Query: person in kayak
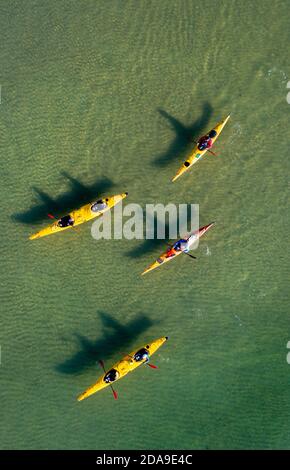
{"points": [[141, 355], [66, 221], [111, 376], [205, 142], [180, 245], [99, 206]]}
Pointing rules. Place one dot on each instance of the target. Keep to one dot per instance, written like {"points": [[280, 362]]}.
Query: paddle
{"points": [[210, 151], [114, 391]]}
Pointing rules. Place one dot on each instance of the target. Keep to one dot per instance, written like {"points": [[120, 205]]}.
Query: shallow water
{"points": [[99, 98]]}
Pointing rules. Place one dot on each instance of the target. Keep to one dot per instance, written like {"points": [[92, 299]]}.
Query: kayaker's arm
{"points": [[111, 386]]}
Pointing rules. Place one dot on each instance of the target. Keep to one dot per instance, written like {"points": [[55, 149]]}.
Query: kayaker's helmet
{"points": [[98, 206], [141, 355], [111, 376], [212, 134]]}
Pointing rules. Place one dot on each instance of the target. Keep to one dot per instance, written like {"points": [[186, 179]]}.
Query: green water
{"points": [[99, 97]]}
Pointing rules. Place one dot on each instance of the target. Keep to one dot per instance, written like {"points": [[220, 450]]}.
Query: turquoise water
{"points": [[100, 97]]}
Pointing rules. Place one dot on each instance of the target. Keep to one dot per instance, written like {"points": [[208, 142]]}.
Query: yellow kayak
{"points": [[79, 216], [197, 154], [124, 366], [172, 253]]}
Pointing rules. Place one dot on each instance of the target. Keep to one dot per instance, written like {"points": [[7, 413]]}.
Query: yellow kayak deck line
{"points": [[197, 154], [123, 367], [163, 258], [84, 214]]}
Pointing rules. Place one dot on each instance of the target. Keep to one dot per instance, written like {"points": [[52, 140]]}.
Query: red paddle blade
{"points": [[115, 394], [152, 366], [50, 216]]}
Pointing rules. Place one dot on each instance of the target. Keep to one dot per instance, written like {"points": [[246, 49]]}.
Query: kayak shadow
{"points": [[78, 194], [117, 338], [185, 135]]}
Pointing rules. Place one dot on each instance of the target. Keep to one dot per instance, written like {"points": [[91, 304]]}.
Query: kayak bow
{"points": [[191, 239], [197, 154], [84, 214], [123, 367]]}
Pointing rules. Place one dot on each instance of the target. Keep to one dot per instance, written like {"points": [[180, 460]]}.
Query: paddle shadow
{"points": [[185, 135], [78, 194], [117, 338]]}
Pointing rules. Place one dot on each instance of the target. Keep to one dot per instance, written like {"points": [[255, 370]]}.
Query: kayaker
{"points": [[141, 355], [66, 221], [99, 206], [180, 245], [170, 252], [205, 142], [111, 376]]}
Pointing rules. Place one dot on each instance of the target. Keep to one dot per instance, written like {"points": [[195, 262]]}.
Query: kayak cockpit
{"points": [[141, 355], [66, 221], [180, 245], [111, 376]]}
